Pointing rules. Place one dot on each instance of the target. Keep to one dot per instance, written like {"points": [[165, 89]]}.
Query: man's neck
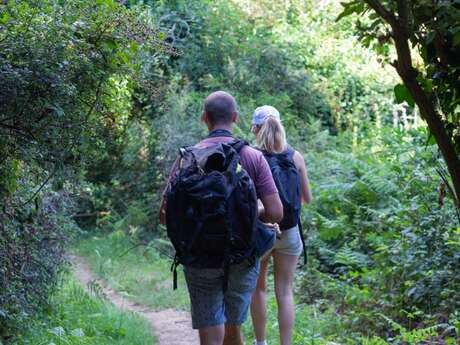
{"points": [[224, 127]]}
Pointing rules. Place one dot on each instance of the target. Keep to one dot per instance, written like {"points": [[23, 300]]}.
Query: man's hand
{"points": [[275, 228]]}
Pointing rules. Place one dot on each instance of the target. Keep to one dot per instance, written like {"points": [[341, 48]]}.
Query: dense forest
{"points": [[96, 97]]}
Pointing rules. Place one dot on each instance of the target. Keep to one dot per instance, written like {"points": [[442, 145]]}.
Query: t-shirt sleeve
{"points": [[163, 201], [264, 183], [173, 171]]}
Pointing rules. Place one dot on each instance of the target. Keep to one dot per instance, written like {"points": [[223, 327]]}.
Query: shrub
{"points": [[32, 253], [69, 70]]}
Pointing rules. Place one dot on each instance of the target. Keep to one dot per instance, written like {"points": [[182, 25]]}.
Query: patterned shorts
{"points": [[209, 305]]}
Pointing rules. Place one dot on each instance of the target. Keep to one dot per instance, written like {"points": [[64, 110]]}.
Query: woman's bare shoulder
{"points": [[298, 159]]}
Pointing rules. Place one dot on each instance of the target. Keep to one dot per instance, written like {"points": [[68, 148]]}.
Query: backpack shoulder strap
{"points": [[186, 156], [286, 155], [290, 152], [184, 150], [302, 238], [238, 144]]}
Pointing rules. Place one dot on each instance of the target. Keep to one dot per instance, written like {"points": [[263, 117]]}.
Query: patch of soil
{"points": [[172, 327]]}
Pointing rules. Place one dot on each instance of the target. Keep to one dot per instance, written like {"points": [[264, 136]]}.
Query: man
{"points": [[218, 315]]}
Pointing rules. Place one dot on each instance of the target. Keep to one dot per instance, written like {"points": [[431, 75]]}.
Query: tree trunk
{"points": [[408, 74], [427, 109]]}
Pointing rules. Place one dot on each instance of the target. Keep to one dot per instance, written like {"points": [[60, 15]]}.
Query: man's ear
{"points": [[204, 117], [234, 116]]}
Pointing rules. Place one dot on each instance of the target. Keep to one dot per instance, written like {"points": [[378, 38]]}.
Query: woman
{"points": [[294, 187]]}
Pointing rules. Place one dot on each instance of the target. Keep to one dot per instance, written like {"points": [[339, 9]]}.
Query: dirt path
{"points": [[172, 327]]}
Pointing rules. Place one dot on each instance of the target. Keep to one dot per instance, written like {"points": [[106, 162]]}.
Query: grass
{"points": [[145, 277], [312, 325], [139, 273], [77, 318]]}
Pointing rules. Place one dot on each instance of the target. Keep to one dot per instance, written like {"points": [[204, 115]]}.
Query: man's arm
{"points": [[163, 210], [162, 214], [272, 211]]}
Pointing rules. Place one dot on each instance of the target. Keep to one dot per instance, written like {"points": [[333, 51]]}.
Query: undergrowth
{"points": [[76, 318], [133, 269]]}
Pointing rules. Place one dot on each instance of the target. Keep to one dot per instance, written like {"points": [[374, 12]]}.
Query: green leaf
{"points": [[78, 332], [134, 46], [123, 57], [425, 83], [4, 18], [402, 94], [430, 140], [350, 8], [110, 44], [161, 35], [57, 110], [457, 39], [57, 331]]}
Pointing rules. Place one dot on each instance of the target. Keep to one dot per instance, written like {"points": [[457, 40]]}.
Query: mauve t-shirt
{"points": [[252, 160]]}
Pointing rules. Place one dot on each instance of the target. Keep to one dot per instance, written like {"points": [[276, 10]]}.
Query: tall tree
{"points": [[426, 37]]}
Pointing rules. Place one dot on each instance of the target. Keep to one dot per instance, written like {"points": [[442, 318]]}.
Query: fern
{"points": [[415, 336], [348, 257]]}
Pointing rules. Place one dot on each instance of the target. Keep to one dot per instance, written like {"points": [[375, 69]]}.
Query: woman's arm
{"points": [[305, 190]]}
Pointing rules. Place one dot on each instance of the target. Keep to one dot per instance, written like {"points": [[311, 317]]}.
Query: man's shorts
{"points": [[289, 242], [209, 305]]}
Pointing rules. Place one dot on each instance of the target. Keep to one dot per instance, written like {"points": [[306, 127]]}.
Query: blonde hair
{"points": [[271, 136]]}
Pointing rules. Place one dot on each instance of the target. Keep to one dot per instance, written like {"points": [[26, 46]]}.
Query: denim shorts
{"points": [[289, 243], [210, 306]]}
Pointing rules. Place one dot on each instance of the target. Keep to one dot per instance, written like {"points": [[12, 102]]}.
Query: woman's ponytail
{"points": [[271, 136]]}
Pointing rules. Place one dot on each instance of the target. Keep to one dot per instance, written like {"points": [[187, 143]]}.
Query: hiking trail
{"points": [[171, 327]]}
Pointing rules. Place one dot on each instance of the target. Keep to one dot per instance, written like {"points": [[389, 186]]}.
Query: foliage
{"points": [[379, 241], [32, 243], [282, 57], [379, 230], [426, 38], [135, 269], [66, 76], [258, 62], [69, 71], [93, 105], [77, 318]]}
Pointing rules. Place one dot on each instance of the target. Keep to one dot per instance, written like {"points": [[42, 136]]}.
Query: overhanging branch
{"points": [[403, 15], [382, 11]]}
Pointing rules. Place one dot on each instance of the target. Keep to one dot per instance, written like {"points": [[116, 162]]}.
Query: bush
{"points": [[379, 229], [69, 73], [32, 253]]}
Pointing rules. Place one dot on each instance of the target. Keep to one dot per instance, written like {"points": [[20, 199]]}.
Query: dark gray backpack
{"points": [[211, 208], [287, 180]]}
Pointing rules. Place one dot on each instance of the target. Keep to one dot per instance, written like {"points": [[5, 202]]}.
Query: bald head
{"points": [[219, 107]]}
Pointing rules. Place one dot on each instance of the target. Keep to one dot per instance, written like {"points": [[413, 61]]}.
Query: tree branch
{"points": [[7, 119], [444, 177], [17, 132], [40, 188], [382, 11], [403, 17], [408, 74], [442, 51]]}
